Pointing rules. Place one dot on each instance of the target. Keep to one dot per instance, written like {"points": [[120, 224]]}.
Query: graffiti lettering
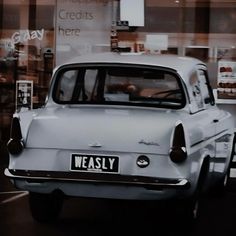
{"points": [[26, 35]]}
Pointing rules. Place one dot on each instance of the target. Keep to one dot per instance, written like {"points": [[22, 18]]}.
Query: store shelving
{"points": [[226, 79]]}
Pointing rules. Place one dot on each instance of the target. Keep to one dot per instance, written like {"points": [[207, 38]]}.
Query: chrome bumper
{"points": [[96, 178]]}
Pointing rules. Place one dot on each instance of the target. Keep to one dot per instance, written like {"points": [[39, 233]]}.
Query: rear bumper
{"points": [[150, 183]]}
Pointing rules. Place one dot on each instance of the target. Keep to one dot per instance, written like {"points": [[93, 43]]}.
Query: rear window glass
{"points": [[118, 85]]}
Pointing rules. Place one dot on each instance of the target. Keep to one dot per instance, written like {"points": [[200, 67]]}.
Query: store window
{"points": [[26, 53], [36, 35], [202, 29]]}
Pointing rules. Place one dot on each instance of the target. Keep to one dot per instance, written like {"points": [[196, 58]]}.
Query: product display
{"points": [[226, 87]]}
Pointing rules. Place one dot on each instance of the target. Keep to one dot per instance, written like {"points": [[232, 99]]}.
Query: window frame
{"points": [[207, 101], [76, 66]]}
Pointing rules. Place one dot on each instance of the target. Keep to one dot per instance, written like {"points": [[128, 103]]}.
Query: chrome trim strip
{"points": [[195, 147], [209, 138]]}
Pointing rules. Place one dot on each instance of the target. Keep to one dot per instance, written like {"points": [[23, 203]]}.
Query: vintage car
{"points": [[122, 126]]}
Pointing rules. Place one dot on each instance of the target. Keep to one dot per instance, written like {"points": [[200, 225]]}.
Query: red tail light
{"points": [[15, 144], [178, 152]]}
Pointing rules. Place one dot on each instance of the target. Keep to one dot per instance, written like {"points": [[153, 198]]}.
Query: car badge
{"points": [[95, 144], [148, 143], [143, 161]]}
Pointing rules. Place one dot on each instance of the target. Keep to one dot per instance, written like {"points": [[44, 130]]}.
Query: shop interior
{"points": [[34, 39], [26, 54]]}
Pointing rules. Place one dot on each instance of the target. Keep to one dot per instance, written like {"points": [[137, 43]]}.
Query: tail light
{"points": [[178, 152], [15, 145]]}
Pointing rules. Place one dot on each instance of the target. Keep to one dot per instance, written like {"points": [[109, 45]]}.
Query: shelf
{"points": [[223, 101], [228, 78], [226, 101]]}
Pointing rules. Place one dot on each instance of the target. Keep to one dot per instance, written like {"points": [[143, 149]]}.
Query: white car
{"points": [[122, 126]]}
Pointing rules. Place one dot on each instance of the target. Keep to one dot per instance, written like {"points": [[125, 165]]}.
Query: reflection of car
{"points": [[124, 127]]}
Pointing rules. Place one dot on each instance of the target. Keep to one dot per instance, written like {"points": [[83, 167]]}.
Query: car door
{"points": [[211, 123]]}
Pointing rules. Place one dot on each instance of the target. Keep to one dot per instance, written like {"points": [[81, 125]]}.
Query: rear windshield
{"points": [[118, 85]]}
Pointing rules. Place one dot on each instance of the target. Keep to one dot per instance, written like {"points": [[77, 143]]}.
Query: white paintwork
{"points": [[53, 133]]}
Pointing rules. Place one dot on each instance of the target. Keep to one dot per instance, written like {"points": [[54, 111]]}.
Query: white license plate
{"points": [[94, 163]]}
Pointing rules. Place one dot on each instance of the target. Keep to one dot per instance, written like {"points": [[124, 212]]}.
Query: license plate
{"points": [[94, 163]]}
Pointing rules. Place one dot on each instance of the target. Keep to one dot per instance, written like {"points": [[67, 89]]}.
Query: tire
{"points": [[45, 208], [192, 205], [192, 208], [223, 184], [219, 189], [188, 212]]}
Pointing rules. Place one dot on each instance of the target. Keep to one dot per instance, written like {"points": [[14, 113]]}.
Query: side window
{"points": [[200, 95], [195, 95], [206, 96]]}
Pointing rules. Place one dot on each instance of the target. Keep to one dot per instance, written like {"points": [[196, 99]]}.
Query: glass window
{"points": [[204, 85], [26, 52], [116, 85], [201, 95], [196, 94]]}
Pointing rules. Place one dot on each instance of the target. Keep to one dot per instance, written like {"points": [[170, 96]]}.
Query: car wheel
{"points": [[220, 188], [192, 205], [192, 209], [188, 212], [223, 184], [45, 207]]}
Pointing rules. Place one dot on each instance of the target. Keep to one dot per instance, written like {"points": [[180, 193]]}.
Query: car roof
{"points": [[182, 65]]}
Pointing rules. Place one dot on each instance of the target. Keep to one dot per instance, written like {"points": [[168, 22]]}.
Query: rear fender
{"points": [[25, 119], [224, 154]]}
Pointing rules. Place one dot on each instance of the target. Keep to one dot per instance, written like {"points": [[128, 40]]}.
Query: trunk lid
{"points": [[137, 130]]}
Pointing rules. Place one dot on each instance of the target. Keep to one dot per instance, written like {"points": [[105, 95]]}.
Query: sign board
{"points": [[132, 11], [81, 26], [24, 94], [122, 25], [156, 42]]}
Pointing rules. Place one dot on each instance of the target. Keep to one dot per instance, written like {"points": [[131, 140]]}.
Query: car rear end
{"points": [[100, 152], [107, 127]]}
